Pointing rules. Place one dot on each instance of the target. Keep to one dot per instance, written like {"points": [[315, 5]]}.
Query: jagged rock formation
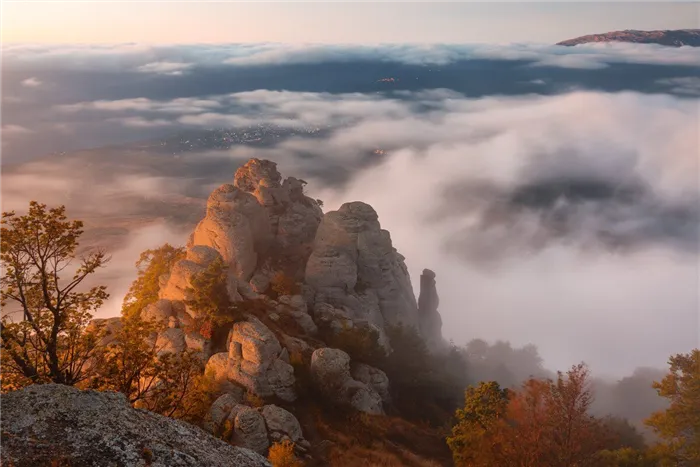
{"points": [[43, 424], [330, 371], [428, 301], [671, 38], [356, 274], [340, 271]]}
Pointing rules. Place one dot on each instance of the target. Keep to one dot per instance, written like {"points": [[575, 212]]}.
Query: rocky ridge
{"points": [[671, 38]]}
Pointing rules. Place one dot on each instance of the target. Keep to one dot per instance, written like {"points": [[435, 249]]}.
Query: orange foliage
{"points": [[282, 455], [545, 424]]}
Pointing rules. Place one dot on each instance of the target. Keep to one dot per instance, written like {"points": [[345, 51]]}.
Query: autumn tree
{"points": [[575, 433], [135, 364], [544, 424], [476, 439], [151, 265], [43, 328], [679, 425]]}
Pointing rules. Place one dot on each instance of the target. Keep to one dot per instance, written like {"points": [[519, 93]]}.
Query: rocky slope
{"points": [[672, 38], [59, 425]]}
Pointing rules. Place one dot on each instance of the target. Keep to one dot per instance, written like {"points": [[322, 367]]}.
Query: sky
{"points": [[103, 21]]}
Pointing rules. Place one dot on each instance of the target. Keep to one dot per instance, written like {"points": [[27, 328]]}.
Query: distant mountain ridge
{"points": [[671, 38]]}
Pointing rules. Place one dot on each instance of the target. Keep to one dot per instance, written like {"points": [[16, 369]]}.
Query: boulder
{"points": [[330, 372], [49, 423], [221, 409], [297, 346], [253, 361], [281, 423], [295, 306], [219, 367], [249, 429], [373, 378]]}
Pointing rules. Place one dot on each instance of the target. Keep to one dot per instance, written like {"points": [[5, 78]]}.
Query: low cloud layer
{"points": [[172, 59], [567, 218]]}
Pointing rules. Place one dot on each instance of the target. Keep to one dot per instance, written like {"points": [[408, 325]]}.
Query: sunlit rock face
{"points": [[356, 274], [260, 225]]}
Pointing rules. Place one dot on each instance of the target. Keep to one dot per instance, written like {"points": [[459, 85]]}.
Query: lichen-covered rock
{"points": [[45, 423], [372, 377], [281, 423], [249, 429], [330, 371]]}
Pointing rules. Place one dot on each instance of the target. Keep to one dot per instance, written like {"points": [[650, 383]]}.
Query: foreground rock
{"points": [[48, 423]]}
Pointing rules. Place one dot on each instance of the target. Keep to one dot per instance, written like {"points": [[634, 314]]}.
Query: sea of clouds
{"points": [[566, 219]]}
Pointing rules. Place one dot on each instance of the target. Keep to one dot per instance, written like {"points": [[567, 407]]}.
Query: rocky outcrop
{"points": [[330, 372], [236, 226], [253, 361], [257, 222], [355, 267], [49, 423], [429, 317]]}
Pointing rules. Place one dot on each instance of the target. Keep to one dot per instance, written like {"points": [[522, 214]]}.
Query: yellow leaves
{"points": [[679, 425]]}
